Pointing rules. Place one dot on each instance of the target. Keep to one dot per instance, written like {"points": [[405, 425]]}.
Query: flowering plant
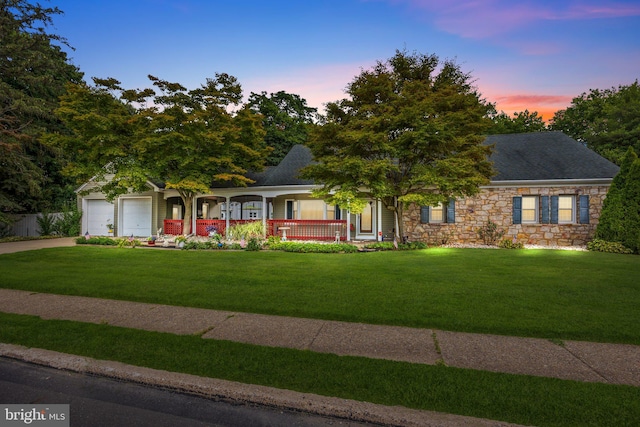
{"points": [[211, 229]]}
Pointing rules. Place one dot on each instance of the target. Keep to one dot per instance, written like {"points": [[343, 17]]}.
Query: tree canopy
{"points": [[286, 119], [521, 122], [607, 121], [33, 73], [411, 130], [187, 139], [620, 217]]}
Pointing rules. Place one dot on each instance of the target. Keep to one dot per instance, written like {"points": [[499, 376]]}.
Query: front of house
{"points": [[548, 190]]}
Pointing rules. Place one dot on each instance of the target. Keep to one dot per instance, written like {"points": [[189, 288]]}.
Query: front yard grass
{"points": [[511, 398], [530, 293]]}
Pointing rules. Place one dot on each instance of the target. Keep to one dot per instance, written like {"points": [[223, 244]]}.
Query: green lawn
{"points": [[542, 293], [538, 293]]}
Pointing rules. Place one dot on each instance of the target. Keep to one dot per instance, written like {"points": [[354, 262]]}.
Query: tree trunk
{"points": [[397, 213], [186, 221]]}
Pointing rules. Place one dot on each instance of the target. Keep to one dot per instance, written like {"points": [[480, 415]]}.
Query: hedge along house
{"points": [[548, 190]]}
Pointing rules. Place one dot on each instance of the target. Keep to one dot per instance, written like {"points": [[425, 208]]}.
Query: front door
{"points": [[366, 222]]}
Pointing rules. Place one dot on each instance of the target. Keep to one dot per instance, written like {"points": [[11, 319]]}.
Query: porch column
{"points": [[226, 217], [348, 225], [194, 215], [379, 220], [264, 217]]}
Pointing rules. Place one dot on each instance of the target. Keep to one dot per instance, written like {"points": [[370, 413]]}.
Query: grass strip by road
{"points": [[512, 398], [530, 293]]}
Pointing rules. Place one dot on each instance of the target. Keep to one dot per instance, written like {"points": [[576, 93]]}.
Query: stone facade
{"points": [[496, 204]]}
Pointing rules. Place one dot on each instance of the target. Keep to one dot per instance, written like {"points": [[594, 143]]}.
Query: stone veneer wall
{"points": [[495, 204]]}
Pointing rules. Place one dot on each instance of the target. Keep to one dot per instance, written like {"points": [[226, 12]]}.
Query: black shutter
{"points": [[517, 210]]}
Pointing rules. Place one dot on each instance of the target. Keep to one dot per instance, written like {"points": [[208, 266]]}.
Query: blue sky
{"points": [[523, 54]]}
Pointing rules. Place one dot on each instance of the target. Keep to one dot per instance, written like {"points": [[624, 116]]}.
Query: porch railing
{"points": [[173, 226], [308, 229], [295, 229]]}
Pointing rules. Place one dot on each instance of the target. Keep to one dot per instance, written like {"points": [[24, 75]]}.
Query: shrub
{"points": [[303, 247], [489, 233], [254, 244], [47, 223], [599, 245], [510, 244], [246, 231], [389, 246], [69, 223], [98, 240]]}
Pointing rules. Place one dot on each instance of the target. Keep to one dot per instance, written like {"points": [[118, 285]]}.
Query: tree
{"points": [[187, 138], [612, 218], [620, 217], [286, 119], [521, 122], [411, 131], [33, 74], [607, 121]]}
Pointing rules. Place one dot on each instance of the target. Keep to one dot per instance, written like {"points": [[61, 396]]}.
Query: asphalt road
{"points": [[102, 402]]}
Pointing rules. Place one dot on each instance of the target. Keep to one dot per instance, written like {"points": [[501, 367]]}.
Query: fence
{"points": [[26, 225]]}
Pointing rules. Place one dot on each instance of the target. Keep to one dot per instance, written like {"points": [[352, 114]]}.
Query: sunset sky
{"points": [[523, 54]]}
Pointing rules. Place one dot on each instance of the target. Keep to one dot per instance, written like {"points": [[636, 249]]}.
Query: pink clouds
{"points": [[489, 18], [545, 105]]}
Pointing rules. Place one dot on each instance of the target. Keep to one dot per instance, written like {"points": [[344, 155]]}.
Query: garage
{"points": [[98, 213], [135, 217]]}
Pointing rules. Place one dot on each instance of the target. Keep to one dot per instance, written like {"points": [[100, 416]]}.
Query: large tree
{"points": [[286, 119], [410, 131], [607, 121], [521, 122], [33, 72], [188, 139]]}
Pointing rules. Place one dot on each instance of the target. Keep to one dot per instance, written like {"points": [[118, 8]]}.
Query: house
{"points": [[548, 190]]}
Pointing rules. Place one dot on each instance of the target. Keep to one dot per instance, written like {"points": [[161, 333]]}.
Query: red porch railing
{"points": [[308, 229], [296, 229], [173, 226]]}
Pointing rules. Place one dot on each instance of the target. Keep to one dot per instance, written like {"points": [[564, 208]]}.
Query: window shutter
{"points": [[451, 211], [584, 209], [554, 209], [517, 210], [424, 214], [544, 207]]}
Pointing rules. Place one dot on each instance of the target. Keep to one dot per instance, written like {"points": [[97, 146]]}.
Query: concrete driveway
{"points": [[30, 245]]}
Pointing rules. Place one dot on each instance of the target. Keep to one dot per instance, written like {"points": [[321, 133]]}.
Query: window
{"points": [[439, 214], [529, 209], [311, 209], [436, 213], [566, 209], [550, 209]]}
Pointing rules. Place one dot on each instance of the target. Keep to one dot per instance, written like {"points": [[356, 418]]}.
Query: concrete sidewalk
{"points": [[572, 360]]}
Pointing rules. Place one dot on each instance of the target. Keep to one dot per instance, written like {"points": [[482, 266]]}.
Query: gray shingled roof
{"points": [[286, 173], [545, 156], [524, 156]]}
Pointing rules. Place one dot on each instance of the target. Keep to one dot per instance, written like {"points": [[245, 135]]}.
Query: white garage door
{"points": [[136, 217], [98, 214]]}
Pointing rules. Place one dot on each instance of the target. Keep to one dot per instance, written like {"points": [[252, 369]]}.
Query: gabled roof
{"points": [[545, 156], [286, 173]]}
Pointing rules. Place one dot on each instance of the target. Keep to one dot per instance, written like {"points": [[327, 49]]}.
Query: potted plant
{"points": [[151, 241], [180, 241], [110, 229]]}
